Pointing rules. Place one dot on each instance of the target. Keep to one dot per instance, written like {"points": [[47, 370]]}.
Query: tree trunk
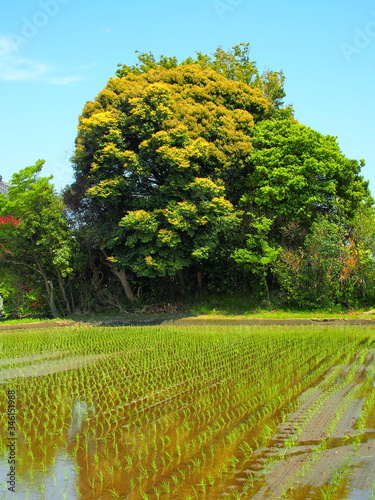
{"points": [[49, 288], [62, 290], [181, 281], [200, 279], [121, 275], [267, 289], [72, 297], [51, 300]]}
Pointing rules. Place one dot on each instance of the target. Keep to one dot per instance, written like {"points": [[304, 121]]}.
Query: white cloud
{"points": [[16, 68]]}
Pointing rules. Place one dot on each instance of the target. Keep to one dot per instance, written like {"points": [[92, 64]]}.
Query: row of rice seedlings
{"points": [[366, 418], [339, 474], [265, 433], [292, 440], [217, 353], [336, 486], [337, 481]]}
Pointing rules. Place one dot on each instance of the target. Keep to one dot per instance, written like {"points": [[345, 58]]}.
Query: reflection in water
{"points": [[59, 482], [80, 411], [357, 494]]}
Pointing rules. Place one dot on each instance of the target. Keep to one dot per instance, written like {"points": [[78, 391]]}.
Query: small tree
{"points": [[258, 254], [37, 238], [310, 275], [334, 267]]}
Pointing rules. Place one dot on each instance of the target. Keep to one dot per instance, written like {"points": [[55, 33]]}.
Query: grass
{"points": [[239, 307], [207, 307], [23, 320], [217, 310], [217, 313], [32, 320]]}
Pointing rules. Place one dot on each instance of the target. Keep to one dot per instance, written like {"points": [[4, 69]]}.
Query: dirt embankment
{"points": [[36, 324], [193, 321]]}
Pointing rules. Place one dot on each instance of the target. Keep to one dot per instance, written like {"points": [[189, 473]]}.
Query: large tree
{"points": [[296, 177], [161, 155]]}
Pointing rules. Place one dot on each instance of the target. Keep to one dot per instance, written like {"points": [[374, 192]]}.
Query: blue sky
{"points": [[57, 54]]}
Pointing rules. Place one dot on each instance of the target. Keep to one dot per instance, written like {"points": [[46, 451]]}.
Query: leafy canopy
{"points": [[234, 64], [162, 151]]}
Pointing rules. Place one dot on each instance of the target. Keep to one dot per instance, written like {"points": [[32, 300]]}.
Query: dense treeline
{"points": [[191, 177]]}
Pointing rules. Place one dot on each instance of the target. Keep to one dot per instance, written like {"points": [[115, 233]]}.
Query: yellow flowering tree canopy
{"points": [[162, 153]]}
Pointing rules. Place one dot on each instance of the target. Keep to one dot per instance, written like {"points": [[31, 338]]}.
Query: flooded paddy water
{"points": [[189, 412]]}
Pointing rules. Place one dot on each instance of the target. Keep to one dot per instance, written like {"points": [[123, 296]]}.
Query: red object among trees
{"points": [[9, 219]]}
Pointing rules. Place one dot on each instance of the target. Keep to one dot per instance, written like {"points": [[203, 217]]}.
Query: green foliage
{"points": [[162, 242], [258, 254], [21, 294], [234, 64], [42, 224], [197, 167], [310, 275], [330, 269], [40, 244], [361, 252], [299, 175]]}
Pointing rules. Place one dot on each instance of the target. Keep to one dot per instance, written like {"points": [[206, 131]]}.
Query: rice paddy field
{"points": [[188, 412]]}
